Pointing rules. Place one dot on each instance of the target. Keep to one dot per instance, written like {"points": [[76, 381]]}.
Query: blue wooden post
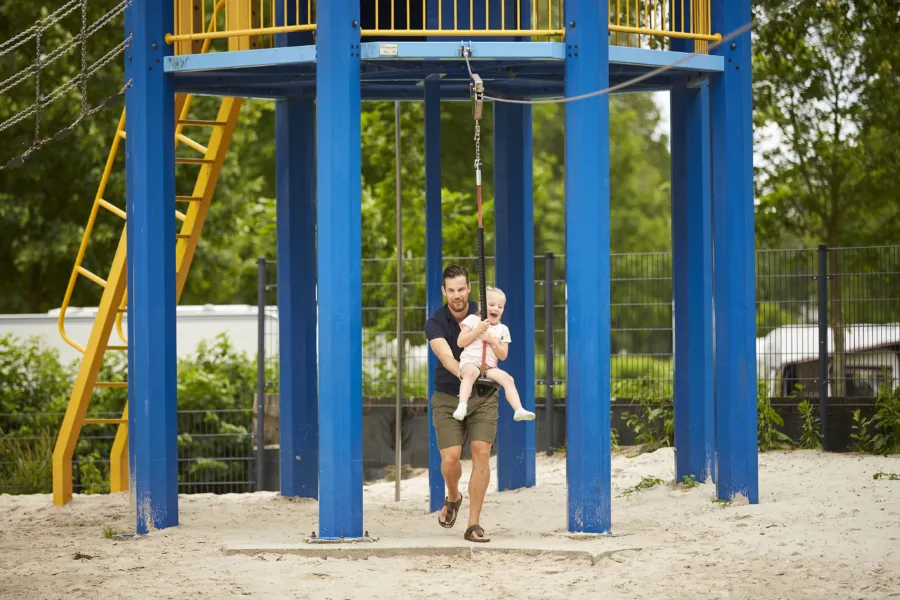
{"points": [[295, 146], [433, 267], [151, 301], [587, 269], [692, 280], [733, 246], [514, 235], [339, 272]]}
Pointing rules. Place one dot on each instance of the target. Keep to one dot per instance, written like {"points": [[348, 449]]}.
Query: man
{"points": [[442, 330]]}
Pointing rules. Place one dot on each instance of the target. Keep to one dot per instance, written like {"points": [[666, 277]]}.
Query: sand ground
{"points": [[824, 528]]}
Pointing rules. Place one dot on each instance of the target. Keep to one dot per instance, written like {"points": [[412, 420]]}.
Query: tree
{"points": [[826, 84]]}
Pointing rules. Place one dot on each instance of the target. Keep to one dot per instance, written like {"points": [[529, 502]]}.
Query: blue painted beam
{"points": [[433, 267], [481, 50], [588, 271], [692, 281], [295, 163], [514, 240], [623, 55], [152, 292], [734, 280], [241, 59], [295, 140], [339, 274]]}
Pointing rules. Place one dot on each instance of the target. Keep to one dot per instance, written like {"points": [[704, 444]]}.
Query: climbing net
{"points": [[43, 59]]}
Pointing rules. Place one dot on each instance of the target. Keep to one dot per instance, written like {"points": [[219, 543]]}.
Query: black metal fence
{"points": [[848, 297], [809, 379], [215, 452]]}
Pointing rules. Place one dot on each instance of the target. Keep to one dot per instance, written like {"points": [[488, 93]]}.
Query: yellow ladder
{"points": [[112, 303], [188, 17]]}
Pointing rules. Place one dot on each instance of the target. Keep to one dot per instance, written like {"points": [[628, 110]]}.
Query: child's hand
{"points": [[488, 337], [483, 326]]}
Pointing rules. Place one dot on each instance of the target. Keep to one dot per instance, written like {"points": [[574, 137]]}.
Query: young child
{"points": [[473, 333]]}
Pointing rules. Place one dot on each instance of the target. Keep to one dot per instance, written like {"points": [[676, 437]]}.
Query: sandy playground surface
{"points": [[824, 528]]}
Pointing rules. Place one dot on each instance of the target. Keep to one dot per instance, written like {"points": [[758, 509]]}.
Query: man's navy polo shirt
{"points": [[442, 324]]}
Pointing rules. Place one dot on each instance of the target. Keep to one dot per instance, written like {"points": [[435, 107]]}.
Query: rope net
{"points": [[39, 39]]}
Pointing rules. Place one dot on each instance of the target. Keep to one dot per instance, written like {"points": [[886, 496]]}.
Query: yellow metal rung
{"points": [[111, 384], [122, 310], [105, 421], [190, 143], [194, 161], [122, 134], [117, 347], [95, 278], [182, 236], [180, 215], [202, 122], [189, 198], [112, 208]]}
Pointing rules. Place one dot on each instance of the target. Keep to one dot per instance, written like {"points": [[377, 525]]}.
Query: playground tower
{"points": [[318, 60]]}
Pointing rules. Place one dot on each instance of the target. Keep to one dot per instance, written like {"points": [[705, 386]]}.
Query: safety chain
{"points": [[14, 80], [63, 133], [84, 106], [52, 19], [476, 89]]}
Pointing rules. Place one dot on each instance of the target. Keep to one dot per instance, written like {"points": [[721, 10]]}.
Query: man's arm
{"points": [[442, 351]]}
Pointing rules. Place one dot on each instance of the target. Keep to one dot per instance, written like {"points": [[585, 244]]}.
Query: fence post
{"points": [[260, 372], [823, 343], [548, 347], [398, 457]]}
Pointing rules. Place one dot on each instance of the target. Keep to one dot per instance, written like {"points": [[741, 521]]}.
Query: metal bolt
{"points": [[733, 45], [571, 24], [153, 46], [355, 24]]}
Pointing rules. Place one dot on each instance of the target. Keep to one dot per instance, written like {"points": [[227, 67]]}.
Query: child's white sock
{"points": [[522, 415], [460, 413]]}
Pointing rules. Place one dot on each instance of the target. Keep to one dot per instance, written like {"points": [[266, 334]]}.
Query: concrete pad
{"points": [[593, 549]]}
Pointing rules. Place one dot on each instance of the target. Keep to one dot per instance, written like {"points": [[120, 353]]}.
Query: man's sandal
{"points": [[452, 512], [476, 534]]}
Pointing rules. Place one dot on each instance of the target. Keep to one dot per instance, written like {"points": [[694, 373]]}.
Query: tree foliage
{"points": [[826, 100]]}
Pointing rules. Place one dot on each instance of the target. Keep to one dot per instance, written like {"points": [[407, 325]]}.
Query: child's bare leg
{"points": [[468, 373], [512, 394]]}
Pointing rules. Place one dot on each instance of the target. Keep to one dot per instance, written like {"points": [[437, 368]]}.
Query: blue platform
{"points": [[397, 70]]}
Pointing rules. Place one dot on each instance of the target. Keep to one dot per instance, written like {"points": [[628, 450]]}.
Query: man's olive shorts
{"points": [[480, 422]]}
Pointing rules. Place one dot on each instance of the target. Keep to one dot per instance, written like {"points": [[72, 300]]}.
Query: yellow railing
{"points": [[246, 24], [646, 23], [249, 24], [408, 18]]}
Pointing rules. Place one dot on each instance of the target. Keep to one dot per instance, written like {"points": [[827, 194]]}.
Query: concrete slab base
{"points": [[593, 549]]}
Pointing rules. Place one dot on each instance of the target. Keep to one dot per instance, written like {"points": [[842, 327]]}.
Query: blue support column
{"points": [[733, 246], [433, 267], [129, 233], [295, 147], [514, 234], [151, 295], [692, 280], [339, 274], [587, 269]]}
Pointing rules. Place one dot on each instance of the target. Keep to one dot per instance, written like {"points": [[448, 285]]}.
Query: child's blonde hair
{"points": [[493, 290]]}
